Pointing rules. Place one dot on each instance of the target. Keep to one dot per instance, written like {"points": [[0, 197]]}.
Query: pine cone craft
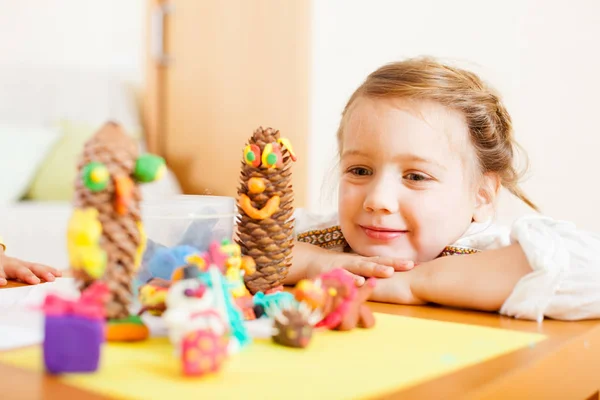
{"points": [[265, 205], [106, 239]]}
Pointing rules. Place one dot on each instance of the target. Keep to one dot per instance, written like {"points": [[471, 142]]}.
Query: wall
{"points": [[96, 34], [541, 55]]}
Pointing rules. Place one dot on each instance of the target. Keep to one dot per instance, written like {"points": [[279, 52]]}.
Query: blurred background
{"points": [[191, 80]]}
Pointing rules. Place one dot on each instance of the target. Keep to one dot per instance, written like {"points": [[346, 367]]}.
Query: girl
{"points": [[424, 150], [26, 272]]}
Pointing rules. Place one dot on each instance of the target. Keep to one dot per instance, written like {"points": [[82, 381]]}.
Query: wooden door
{"points": [[230, 67]]}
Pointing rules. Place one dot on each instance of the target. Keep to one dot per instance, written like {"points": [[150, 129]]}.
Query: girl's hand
{"points": [[397, 289], [359, 266], [26, 272]]}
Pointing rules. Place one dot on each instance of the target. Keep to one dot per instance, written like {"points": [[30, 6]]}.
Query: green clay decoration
{"points": [[149, 168], [95, 176]]}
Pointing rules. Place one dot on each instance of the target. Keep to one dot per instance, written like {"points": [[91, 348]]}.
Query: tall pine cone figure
{"points": [[265, 205], [106, 238]]}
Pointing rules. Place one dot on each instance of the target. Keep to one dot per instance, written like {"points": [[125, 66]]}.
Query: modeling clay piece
{"points": [[74, 331], [236, 267], [214, 262], [293, 324], [153, 296], [210, 269], [272, 301], [341, 303], [106, 238], [166, 260], [265, 204], [144, 274], [196, 326], [203, 352]]}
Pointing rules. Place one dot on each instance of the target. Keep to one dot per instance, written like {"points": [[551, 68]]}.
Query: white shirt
{"points": [[565, 281]]}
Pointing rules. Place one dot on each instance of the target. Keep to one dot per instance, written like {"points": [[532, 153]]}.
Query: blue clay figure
{"points": [[165, 260], [144, 274]]}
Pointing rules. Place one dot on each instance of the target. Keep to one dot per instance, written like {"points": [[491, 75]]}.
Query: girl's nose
{"points": [[381, 196]]}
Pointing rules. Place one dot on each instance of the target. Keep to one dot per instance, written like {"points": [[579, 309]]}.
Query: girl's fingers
{"points": [[396, 263], [43, 271], [358, 280], [24, 274], [370, 269], [3, 281]]}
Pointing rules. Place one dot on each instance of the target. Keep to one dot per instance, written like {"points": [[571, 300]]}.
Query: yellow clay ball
{"points": [[99, 175]]}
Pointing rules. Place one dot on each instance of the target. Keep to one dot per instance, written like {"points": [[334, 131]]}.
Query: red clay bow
{"points": [[89, 305]]}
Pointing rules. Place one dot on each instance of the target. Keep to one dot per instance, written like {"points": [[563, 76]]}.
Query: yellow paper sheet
{"points": [[399, 352]]}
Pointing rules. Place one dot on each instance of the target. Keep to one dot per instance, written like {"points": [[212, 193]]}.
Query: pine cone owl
{"points": [[265, 204], [106, 238]]}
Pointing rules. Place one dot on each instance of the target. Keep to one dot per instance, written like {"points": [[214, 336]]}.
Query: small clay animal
{"points": [[341, 303], [293, 324]]}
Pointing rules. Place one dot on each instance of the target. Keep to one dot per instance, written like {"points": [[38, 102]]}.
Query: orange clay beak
{"points": [[123, 193]]}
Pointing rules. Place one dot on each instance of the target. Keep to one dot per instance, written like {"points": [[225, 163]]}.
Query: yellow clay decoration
{"points": [[266, 212], [160, 173], [83, 242], [252, 155], [248, 265], [99, 175], [93, 261], [271, 156], [234, 265], [142, 246], [304, 285], [286, 144], [151, 296], [196, 260]]}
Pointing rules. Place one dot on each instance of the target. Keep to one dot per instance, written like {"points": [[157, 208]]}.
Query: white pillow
{"points": [[23, 149]]}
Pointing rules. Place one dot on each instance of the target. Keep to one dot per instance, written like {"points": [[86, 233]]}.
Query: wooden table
{"points": [[564, 366]]}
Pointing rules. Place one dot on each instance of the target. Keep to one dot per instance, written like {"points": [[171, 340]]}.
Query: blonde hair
{"points": [[488, 121]]}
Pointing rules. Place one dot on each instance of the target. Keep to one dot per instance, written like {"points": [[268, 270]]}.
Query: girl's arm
{"points": [[310, 260], [481, 281]]}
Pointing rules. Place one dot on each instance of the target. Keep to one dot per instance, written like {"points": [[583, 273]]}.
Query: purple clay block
{"points": [[72, 343]]}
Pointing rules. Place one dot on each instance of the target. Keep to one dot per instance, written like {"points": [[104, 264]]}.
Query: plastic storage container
{"points": [[180, 225]]}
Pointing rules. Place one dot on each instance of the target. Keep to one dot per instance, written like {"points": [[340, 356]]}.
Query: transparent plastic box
{"points": [[184, 222]]}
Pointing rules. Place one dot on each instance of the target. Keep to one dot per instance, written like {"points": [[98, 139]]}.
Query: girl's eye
{"points": [[360, 171], [416, 177]]}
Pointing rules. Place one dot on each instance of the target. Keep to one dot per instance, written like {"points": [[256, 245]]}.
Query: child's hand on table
{"points": [[26, 272], [397, 289], [361, 267]]}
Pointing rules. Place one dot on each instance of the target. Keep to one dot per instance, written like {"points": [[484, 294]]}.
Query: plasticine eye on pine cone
{"points": [[265, 204], [105, 236]]}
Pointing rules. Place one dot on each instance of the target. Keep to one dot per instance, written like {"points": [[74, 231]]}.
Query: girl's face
{"points": [[407, 187]]}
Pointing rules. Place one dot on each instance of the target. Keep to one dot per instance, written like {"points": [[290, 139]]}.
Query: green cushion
{"points": [[55, 179]]}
